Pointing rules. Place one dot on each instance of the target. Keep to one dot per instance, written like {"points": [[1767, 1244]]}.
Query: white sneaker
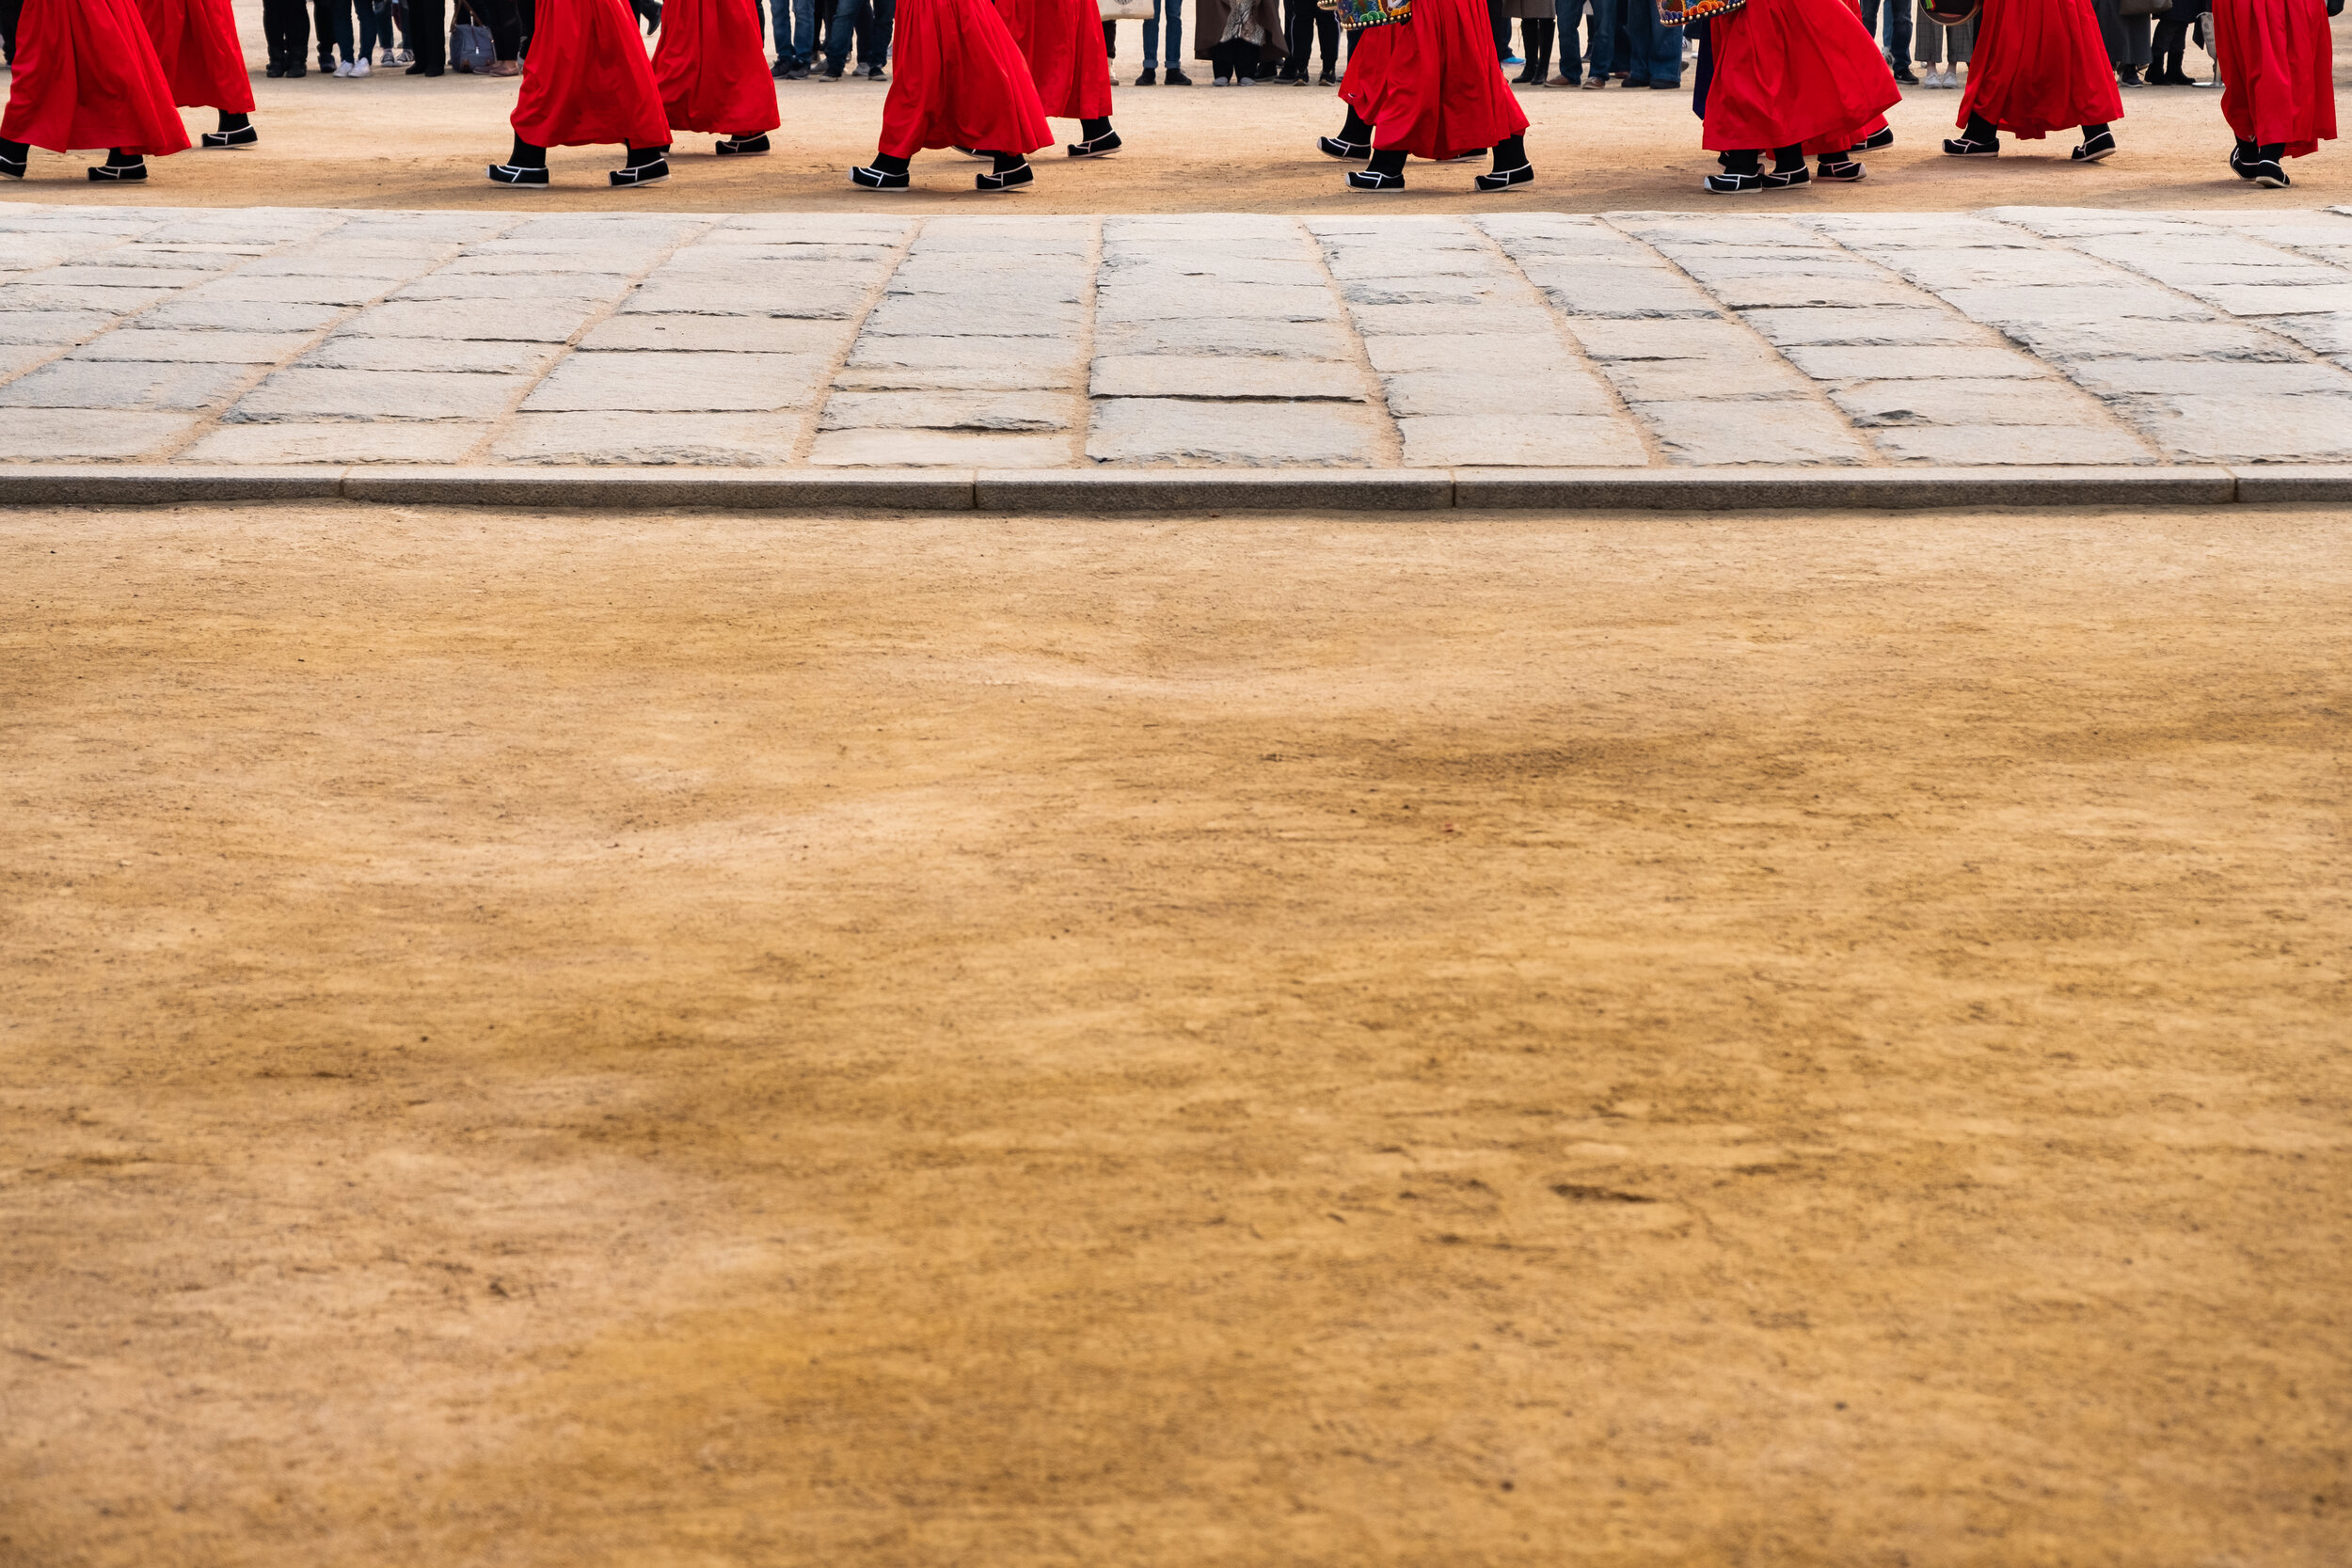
{"points": [[343, 67], [359, 68], [1951, 77]]}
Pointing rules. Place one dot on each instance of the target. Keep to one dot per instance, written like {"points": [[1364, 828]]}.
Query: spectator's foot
{"points": [[872, 179], [418, 70], [13, 155], [1904, 75], [506, 68], [1176, 78], [360, 67], [833, 71], [518, 174], [343, 68], [1331, 146], [120, 167], [2128, 76], [1882, 136], [1592, 83], [1329, 79], [235, 131], [1002, 178], [1666, 87], [1728, 183], [740, 147], [1148, 79], [1096, 147], [406, 57], [2098, 144], [872, 74], [274, 71], [646, 165], [295, 70], [1220, 81], [1840, 170], [1561, 82]]}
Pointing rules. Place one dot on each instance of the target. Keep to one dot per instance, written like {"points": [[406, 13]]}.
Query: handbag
{"points": [[1128, 10], [469, 48]]}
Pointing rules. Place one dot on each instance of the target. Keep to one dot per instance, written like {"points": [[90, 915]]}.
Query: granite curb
{"points": [[1144, 492]]}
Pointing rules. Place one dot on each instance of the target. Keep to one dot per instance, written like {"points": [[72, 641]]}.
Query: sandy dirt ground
{"points": [[392, 140], [926, 1041]]}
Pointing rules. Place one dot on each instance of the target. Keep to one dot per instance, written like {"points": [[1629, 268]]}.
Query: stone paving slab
{"points": [[2005, 340]]}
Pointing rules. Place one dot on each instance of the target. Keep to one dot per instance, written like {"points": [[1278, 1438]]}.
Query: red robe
{"points": [[87, 77], [1431, 84], [2039, 66], [2277, 71], [1794, 73], [196, 42], [710, 71], [958, 80], [585, 81], [1063, 42]]}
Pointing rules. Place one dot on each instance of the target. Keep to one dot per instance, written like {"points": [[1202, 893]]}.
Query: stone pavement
{"points": [[2026, 337]]}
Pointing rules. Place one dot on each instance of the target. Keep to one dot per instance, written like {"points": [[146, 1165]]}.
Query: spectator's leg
{"points": [[428, 35], [1328, 31], [1173, 30], [882, 22], [1499, 22], [506, 27], [1898, 37]]}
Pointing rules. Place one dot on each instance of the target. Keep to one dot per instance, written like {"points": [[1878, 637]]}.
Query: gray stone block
{"points": [[1170, 375], [1232, 301], [522, 321], [1489, 355], [944, 316], [1958, 401], [97, 384], [2011, 445], [1524, 439], [639, 490], [1872, 325], [1099, 492], [2202, 377], [1558, 391], [338, 442], [1668, 339], [2279, 299], [491, 289], [341, 352], [2310, 485], [1707, 433], [1750, 293], [701, 440], [157, 484], [110, 273], [985, 411], [2320, 334], [1875, 489], [1838, 362], [845, 300], [180, 346], [325, 394], [1990, 269], [79, 436], [1752, 375], [2123, 339], [234, 289], [1237, 434], [1499, 319], [681, 383], [35, 294], [1286, 339], [2094, 303], [718, 334], [1480, 290], [1578, 289], [52, 328], [2238, 429], [938, 449], [239, 315]]}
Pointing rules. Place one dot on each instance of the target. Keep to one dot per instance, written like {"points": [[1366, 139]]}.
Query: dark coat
{"points": [[1210, 17]]}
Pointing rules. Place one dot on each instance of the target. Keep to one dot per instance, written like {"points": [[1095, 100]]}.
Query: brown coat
{"points": [[1209, 18]]}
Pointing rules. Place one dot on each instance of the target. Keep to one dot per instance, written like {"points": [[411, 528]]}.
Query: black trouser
{"points": [[2172, 35], [286, 26], [1237, 59], [1498, 18], [8, 12], [1305, 24], [428, 35], [505, 23]]}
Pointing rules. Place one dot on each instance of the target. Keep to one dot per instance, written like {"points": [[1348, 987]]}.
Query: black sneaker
{"points": [[1176, 78], [740, 147], [274, 71], [878, 179], [1102, 146], [1150, 78], [1503, 180], [1731, 184], [640, 174], [1331, 146], [1906, 78], [292, 72], [872, 74], [833, 72], [1328, 78], [2096, 148], [1961, 147], [1374, 180], [1012, 178], [516, 174]]}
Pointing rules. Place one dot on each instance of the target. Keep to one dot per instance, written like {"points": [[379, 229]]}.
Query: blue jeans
{"points": [[1898, 31], [375, 29], [872, 21], [1568, 14], [1174, 11], [795, 24], [1638, 45]]}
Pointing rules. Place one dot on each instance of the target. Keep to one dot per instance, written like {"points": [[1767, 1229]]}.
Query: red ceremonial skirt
{"points": [[2277, 69], [87, 77], [585, 81], [1063, 42], [196, 42], [1431, 84], [1794, 73], [710, 70], [2039, 66], [958, 80]]}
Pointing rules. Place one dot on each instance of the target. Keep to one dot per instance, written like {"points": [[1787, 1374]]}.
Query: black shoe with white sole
{"points": [[2095, 148], [650, 172], [2243, 157], [1007, 180], [241, 136], [1351, 151], [740, 147], [879, 179], [1733, 184], [1781, 179], [111, 172], [1839, 169], [519, 174], [1503, 179], [13, 157], [2268, 173], [1882, 136], [1100, 147], [1374, 180], [1966, 147]]}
